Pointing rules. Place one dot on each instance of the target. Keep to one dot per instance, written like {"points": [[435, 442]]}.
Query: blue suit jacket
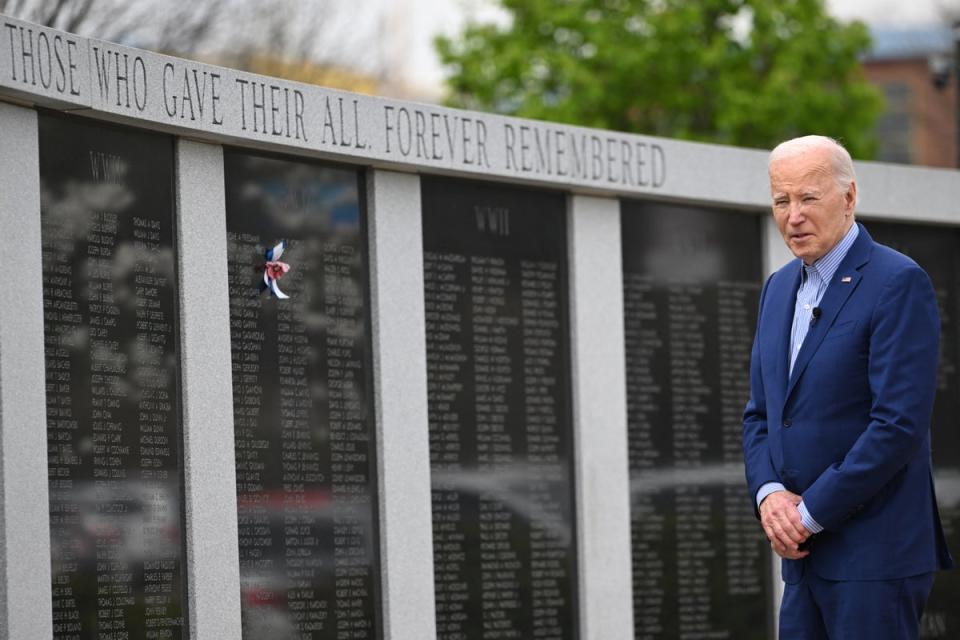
{"points": [[849, 430]]}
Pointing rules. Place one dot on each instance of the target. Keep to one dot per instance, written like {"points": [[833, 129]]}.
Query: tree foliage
{"points": [[743, 72]]}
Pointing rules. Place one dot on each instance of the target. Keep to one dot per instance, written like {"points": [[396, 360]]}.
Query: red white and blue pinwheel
{"points": [[273, 270]]}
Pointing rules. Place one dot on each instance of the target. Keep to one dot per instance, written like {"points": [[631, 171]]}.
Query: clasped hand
{"points": [[781, 522]]}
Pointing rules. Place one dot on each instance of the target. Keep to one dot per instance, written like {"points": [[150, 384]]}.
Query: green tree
{"points": [[742, 72]]}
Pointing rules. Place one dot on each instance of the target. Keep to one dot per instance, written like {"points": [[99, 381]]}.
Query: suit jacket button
{"points": [[787, 422]]}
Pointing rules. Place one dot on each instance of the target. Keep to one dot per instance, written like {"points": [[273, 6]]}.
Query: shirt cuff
{"points": [[767, 489], [807, 520]]}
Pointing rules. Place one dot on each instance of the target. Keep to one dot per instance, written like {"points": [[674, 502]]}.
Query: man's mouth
{"points": [[800, 237]]}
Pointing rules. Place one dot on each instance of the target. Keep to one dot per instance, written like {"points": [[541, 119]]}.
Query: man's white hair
{"points": [[841, 161]]}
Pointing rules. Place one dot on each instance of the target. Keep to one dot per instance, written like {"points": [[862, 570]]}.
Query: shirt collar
{"points": [[828, 264]]}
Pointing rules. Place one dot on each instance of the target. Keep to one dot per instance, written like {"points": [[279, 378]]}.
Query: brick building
{"points": [[914, 69]]}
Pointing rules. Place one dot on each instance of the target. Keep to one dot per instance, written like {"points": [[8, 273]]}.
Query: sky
{"points": [[426, 18], [892, 12]]}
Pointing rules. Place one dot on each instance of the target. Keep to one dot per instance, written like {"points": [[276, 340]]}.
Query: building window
{"points": [[894, 125]]}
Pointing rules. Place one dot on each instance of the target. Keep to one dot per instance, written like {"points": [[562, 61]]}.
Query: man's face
{"points": [[811, 210]]}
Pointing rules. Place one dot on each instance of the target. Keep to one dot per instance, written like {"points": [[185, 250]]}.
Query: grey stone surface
{"points": [[25, 593], [224, 105], [209, 469], [909, 193], [775, 250], [400, 383], [46, 65], [600, 419]]}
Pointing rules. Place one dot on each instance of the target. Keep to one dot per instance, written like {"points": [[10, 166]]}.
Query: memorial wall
{"points": [[279, 361], [691, 284]]}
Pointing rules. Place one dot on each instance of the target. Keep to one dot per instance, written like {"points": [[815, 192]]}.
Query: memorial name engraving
{"points": [[189, 96], [302, 395], [691, 286], [937, 250], [495, 280], [50, 61], [113, 406]]}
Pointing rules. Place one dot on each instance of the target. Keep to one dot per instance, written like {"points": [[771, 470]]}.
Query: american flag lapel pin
{"points": [[846, 279]]}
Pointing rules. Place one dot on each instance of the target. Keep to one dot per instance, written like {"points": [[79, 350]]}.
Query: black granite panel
{"points": [[303, 401], [113, 400], [691, 283], [501, 444]]}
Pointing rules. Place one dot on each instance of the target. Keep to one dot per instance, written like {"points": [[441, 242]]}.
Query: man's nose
{"points": [[796, 214]]}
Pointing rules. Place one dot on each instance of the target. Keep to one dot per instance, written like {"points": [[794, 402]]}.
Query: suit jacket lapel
{"points": [[786, 301], [836, 295]]}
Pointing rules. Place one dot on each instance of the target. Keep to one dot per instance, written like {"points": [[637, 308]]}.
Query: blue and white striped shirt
{"points": [[813, 283], [814, 280]]}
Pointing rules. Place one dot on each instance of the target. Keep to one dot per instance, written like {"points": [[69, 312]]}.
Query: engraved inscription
{"points": [[121, 78], [303, 415], [111, 369], [690, 296], [41, 60], [206, 99], [191, 94], [261, 103], [498, 399]]}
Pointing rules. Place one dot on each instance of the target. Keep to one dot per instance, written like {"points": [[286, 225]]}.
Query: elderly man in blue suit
{"points": [[836, 434]]}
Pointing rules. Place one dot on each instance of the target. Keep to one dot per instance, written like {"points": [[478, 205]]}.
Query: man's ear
{"points": [[850, 198]]}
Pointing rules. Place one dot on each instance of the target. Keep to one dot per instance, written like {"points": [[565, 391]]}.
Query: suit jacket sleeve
{"points": [[756, 455], [902, 374]]}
